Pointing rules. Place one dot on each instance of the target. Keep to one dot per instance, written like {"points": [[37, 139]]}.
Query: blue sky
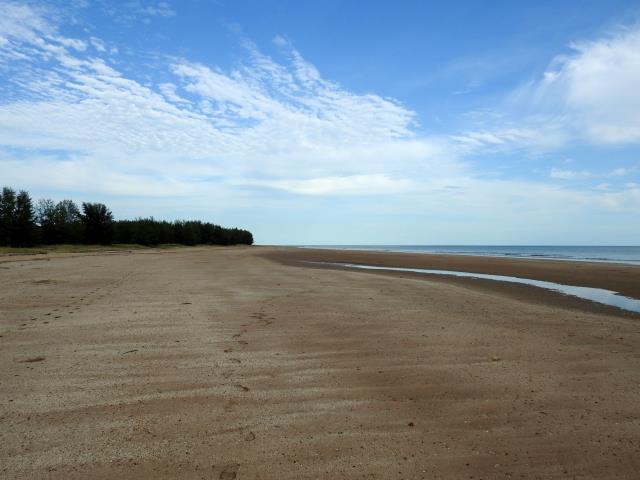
{"points": [[332, 122]]}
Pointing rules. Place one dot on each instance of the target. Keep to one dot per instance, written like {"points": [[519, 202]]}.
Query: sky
{"points": [[333, 122]]}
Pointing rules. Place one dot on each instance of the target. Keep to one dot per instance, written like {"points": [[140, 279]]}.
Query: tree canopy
{"points": [[17, 225], [49, 223]]}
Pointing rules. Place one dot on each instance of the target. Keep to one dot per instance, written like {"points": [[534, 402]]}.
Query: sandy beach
{"points": [[251, 363]]}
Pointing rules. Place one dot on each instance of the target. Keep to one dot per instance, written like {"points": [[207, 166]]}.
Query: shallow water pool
{"points": [[598, 295]]}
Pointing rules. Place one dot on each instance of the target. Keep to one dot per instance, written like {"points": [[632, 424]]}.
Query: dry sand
{"points": [[245, 363]]}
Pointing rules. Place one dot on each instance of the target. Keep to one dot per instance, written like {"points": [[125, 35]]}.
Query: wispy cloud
{"points": [[133, 11], [596, 85], [569, 174], [361, 185], [586, 94], [566, 174], [263, 118]]}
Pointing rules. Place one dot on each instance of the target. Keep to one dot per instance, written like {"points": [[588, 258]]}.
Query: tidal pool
{"points": [[598, 295]]}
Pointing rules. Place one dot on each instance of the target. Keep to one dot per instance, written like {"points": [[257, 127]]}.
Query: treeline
{"points": [[23, 224]]}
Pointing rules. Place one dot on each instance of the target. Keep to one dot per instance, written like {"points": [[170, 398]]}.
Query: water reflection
{"points": [[599, 295]]}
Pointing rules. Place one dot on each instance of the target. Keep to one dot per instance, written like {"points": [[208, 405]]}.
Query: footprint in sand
{"points": [[230, 405], [229, 472]]}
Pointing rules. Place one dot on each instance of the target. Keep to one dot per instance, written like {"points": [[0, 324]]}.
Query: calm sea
{"points": [[630, 255]]}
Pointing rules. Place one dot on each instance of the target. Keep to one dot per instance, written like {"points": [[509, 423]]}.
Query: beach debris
{"points": [[129, 351], [495, 359], [33, 360]]}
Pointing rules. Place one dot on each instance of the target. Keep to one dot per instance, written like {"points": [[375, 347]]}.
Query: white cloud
{"points": [[594, 89], [565, 174], [74, 43], [619, 172], [280, 41], [508, 138], [374, 184], [169, 92], [133, 11], [160, 9], [588, 94], [569, 174], [98, 44], [279, 121], [21, 21], [280, 98], [602, 81]]}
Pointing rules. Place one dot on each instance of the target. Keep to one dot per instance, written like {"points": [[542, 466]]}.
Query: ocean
{"points": [[612, 254]]}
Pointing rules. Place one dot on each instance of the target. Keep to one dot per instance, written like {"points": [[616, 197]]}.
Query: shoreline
{"points": [[596, 295], [494, 251], [471, 254], [621, 278]]}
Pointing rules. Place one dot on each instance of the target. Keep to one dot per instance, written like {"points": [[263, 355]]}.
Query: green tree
{"points": [[24, 227], [68, 222], [67, 212], [45, 217], [98, 222], [7, 212], [59, 222]]}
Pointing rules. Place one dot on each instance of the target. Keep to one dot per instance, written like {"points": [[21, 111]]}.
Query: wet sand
{"points": [[619, 277], [249, 363]]}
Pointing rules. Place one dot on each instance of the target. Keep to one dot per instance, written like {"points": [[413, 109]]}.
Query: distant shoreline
{"points": [[617, 277], [627, 255]]}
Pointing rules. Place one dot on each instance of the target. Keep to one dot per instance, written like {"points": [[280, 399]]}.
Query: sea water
{"points": [[614, 254]]}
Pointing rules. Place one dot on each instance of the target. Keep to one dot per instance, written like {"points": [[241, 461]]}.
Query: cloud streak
{"points": [[262, 118]]}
